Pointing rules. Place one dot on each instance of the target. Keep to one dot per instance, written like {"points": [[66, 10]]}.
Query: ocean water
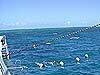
{"points": [[23, 56]]}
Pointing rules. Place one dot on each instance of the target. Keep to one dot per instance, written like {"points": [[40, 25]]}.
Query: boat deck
{"points": [[4, 54]]}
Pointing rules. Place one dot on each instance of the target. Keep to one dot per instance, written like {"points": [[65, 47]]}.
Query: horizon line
{"points": [[42, 28]]}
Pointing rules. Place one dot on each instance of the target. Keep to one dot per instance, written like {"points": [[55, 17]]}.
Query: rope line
{"points": [[73, 33]]}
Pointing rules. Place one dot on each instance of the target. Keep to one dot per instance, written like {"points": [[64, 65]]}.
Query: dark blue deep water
{"points": [[23, 55]]}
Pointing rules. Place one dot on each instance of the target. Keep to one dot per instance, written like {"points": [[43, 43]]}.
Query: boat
{"points": [[4, 54]]}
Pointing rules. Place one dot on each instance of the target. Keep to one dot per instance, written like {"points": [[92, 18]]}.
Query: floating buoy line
{"points": [[70, 35]]}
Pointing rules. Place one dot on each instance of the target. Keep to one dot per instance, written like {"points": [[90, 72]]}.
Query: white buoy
{"points": [[77, 60], [55, 33], [63, 36], [41, 65], [86, 56], [48, 43], [75, 38], [62, 64], [51, 63], [34, 46]]}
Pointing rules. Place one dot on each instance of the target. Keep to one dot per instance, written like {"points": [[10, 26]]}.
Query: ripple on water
{"points": [[22, 54]]}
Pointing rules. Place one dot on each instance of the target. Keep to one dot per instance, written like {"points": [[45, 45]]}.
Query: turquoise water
{"points": [[23, 56]]}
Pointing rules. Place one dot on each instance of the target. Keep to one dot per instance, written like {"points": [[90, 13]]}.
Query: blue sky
{"points": [[17, 14]]}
